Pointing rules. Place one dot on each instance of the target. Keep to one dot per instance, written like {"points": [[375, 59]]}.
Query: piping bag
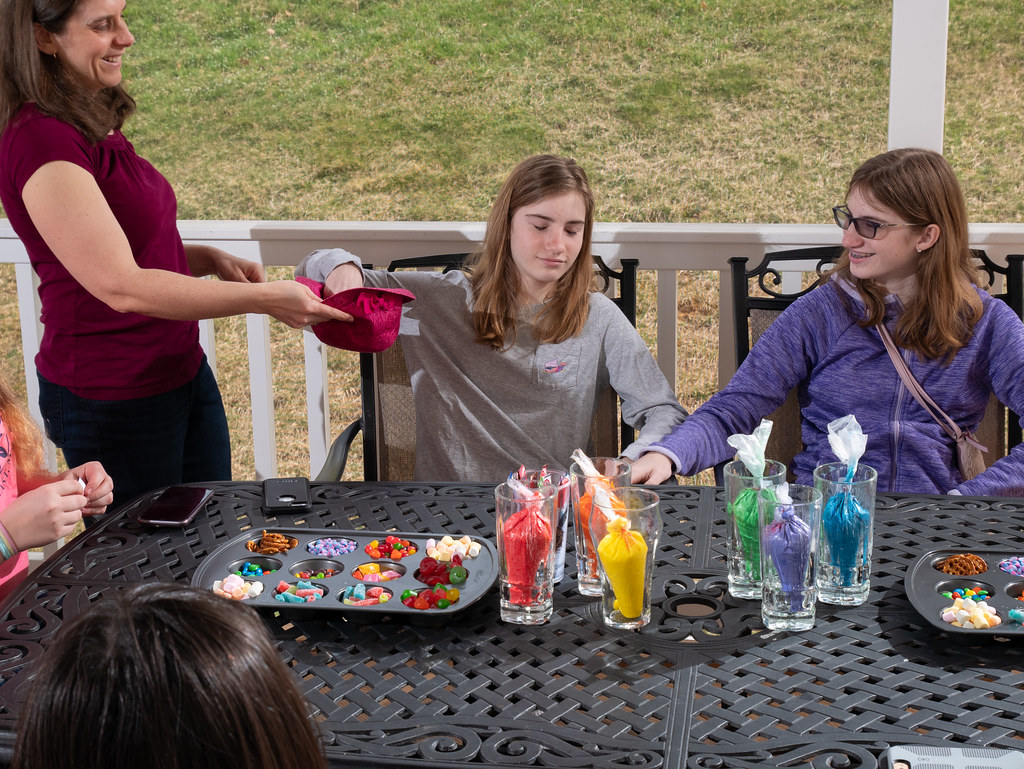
{"points": [[623, 554], [750, 451], [526, 539], [845, 523], [787, 541], [594, 482]]}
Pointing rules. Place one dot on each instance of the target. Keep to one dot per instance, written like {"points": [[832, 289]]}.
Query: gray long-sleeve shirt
{"points": [[481, 413]]}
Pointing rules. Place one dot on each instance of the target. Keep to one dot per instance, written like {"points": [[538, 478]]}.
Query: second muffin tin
{"points": [[925, 585]]}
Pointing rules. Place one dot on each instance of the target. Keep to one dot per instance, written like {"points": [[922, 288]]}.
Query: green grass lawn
{"points": [[684, 110]]}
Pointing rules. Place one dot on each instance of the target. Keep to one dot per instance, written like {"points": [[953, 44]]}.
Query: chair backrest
{"points": [[755, 311], [1001, 427], [389, 413]]}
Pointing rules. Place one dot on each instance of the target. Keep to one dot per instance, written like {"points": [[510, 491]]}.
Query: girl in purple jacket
{"points": [[907, 264]]}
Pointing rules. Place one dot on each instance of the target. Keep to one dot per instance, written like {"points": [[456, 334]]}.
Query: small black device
{"points": [[175, 506], [286, 495], [951, 757]]}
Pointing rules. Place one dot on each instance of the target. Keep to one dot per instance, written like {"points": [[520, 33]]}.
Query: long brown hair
{"points": [[165, 676], [919, 186], [26, 438], [496, 282], [29, 75]]}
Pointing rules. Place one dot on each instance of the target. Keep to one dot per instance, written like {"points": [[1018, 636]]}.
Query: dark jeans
{"points": [[179, 436]]}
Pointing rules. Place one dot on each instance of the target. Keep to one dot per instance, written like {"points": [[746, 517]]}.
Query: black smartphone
{"points": [[286, 495], [175, 506]]}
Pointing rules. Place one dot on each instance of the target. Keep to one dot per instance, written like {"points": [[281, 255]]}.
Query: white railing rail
{"points": [[664, 248]]}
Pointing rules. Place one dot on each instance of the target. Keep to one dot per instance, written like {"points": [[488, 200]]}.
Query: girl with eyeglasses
{"points": [[907, 264]]}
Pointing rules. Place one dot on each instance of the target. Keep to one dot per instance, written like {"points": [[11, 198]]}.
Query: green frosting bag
{"points": [[744, 512]]}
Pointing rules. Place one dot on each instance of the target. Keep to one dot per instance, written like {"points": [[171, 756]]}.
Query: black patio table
{"points": [[705, 685]]}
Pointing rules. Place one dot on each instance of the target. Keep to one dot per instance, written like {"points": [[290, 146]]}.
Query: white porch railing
{"points": [[663, 248]]}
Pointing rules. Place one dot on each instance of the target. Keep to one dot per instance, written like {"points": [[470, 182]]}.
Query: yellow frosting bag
{"points": [[623, 554]]}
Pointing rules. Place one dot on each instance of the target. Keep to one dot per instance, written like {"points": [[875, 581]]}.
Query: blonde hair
{"points": [[26, 438], [493, 274], [919, 186]]}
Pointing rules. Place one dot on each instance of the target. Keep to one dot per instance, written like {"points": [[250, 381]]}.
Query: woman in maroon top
{"points": [[123, 378]]}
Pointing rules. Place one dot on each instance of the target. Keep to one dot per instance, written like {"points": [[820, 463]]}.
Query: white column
{"points": [[917, 75]]}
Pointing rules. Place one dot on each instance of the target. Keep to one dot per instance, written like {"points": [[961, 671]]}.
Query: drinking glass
{"points": [[560, 480], [526, 554], [615, 474], [625, 539], [847, 526], [789, 541], [742, 546]]}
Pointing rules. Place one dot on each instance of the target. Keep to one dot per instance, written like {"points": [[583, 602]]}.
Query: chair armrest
{"points": [[337, 456]]}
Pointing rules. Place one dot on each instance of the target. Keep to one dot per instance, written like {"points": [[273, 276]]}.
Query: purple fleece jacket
{"points": [[841, 368]]}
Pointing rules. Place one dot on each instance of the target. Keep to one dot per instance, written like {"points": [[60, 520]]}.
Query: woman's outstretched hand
{"points": [[292, 303]]}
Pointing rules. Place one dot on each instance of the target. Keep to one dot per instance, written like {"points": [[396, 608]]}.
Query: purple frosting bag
{"points": [[787, 541]]}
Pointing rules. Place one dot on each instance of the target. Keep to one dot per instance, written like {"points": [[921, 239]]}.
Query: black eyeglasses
{"points": [[866, 228]]}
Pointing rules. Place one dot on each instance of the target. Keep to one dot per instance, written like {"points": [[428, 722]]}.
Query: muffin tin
{"points": [[229, 557], [925, 585]]}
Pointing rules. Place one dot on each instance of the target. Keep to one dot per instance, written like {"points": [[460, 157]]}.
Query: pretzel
{"points": [[964, 564], [271, 544]]}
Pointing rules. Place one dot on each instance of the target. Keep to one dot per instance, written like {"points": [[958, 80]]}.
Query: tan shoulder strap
{"points": [[951, 428]]}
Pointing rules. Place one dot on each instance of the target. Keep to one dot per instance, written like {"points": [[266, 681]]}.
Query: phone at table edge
{"points": [[286, 495], [950, 757], [175, 506]]}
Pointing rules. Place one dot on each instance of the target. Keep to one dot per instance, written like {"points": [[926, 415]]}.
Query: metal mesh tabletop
{"points": [[703, 686]]}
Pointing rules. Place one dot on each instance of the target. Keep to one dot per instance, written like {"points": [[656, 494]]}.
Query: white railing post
{"points": [[261, 396], [917, 73], [668, 325], [318, 409]]}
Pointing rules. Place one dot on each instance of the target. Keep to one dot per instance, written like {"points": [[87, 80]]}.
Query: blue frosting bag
{"points": [[845, 524]]}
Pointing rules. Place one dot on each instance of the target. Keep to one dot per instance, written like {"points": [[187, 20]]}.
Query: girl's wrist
{"points": [[8, 547]]}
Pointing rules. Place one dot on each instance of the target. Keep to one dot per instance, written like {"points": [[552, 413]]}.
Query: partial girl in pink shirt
{"points": [[37, 508]]}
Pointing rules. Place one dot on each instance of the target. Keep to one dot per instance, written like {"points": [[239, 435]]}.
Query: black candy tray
{"points": [[925, 585], [229, 557]]}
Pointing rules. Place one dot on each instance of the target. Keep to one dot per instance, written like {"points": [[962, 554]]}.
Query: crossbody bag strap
{"points": [[951, 428]]}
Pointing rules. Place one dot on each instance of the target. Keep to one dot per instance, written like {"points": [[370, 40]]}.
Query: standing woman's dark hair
{"points": [[29, 75], [165, 676], [919, 186], [496, 280]]}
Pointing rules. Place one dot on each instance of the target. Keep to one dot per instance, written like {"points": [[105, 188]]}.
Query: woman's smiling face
{"points": [[91, 44]]}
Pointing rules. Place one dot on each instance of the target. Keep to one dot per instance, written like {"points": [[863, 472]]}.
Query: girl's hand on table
{"points": [[651, 468]]}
